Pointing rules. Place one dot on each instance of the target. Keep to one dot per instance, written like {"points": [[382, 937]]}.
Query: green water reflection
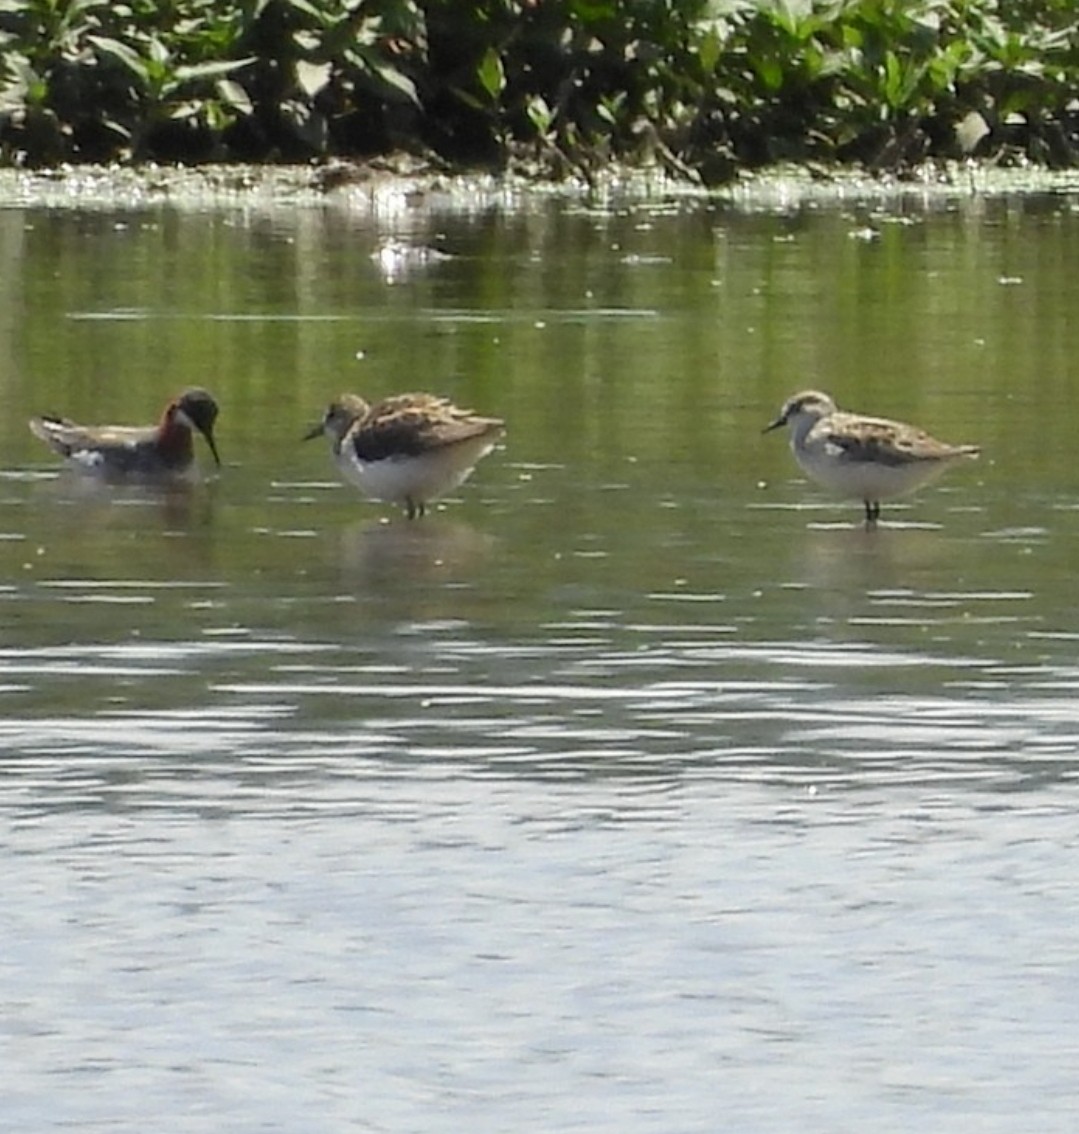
{"points": [[638, 772], [635, 353]]}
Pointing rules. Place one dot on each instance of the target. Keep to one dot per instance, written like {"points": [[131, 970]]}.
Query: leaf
{"points": [[183, 111], [893, 79], [539, 114], [492, 74], [195, 71], [304, 7], [117, 128], [20, 79], [467, 97], [592, 11], [399, 81], [852, 38], [795, 17], [312, 77], [235, 96], [709, 50], [373, 70], [160, 55], [606, 114], [970, 130], [122, 54], [770, 72]]}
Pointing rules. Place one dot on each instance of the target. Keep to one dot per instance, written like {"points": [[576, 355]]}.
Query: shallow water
{"points": [[637, 788]]}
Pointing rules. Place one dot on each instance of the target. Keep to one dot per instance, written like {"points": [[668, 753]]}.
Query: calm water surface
{"points": [[637, 789]]}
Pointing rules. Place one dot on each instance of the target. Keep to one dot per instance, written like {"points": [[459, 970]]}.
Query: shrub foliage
{"points": [[704, 86]]}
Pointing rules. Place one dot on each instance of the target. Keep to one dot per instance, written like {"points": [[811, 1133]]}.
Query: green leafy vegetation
{"points": [[704, 87]]}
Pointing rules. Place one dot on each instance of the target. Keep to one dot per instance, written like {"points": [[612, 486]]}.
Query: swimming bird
{"points": [[120, 452], [866, 458], [406, 450]]}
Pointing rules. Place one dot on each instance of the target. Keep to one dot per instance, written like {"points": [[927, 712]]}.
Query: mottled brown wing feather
{"points": [[890, 443], [412, 424]]}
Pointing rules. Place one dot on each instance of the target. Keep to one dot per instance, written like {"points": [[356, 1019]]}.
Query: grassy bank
{"points": [[704, 87]]}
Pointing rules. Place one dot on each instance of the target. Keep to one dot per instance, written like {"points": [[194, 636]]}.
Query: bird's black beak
{"points": [[312, 433], [779, 421], [208, 433]]}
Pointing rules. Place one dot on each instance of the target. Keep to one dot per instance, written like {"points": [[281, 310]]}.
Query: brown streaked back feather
{"points": [[413, 424], [888, 442]]}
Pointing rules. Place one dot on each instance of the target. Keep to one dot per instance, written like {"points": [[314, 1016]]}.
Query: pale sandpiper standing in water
{"points": [[124, 452], [406, 450], [864, 458]]}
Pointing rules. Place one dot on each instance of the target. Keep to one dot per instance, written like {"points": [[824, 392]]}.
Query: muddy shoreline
{"points": [[378, 185]]}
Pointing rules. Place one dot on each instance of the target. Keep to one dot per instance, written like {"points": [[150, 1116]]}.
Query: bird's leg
{"points": [[410, 508], [872, 513]]}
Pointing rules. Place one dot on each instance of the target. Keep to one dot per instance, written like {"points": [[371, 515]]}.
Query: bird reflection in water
{"points": [[395, 555]]}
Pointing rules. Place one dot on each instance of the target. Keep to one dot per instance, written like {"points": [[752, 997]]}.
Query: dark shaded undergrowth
{"points": [[705, 87]]}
